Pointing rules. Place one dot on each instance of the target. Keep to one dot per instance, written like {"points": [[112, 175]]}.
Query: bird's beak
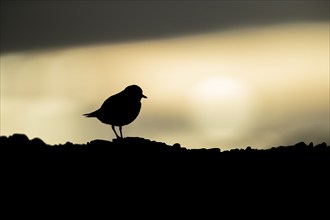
{"points": [[143, 96]]}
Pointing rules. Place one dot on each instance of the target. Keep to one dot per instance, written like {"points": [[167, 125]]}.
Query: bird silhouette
{"points": [[120, 109]]}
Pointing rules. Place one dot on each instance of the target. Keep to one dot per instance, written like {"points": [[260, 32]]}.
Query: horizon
{"points": [[260, 85]]}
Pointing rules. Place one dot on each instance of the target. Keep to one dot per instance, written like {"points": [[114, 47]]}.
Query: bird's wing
{"points": [[110, 102], [114, 104], [108, 106]]}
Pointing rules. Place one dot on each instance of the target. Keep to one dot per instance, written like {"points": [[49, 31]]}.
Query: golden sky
{"points": [[259, 86]]}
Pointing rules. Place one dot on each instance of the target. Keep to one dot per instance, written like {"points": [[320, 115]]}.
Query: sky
{"points": [[225, 74]]}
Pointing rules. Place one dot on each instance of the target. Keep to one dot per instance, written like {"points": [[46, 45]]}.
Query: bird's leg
{"points": [[113, 128], [121, 133]]}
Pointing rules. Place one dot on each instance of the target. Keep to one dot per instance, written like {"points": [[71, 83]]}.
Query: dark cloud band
{"points": [[37, 24]]}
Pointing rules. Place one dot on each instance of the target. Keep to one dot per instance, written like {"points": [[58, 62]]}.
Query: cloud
{"points": [[40, 25]]}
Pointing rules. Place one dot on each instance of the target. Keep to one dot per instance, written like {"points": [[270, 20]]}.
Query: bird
{"points": [[120, 109]]}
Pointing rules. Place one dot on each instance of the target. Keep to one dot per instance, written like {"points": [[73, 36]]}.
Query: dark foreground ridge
{"points": [[19, 149], [138, 165]]}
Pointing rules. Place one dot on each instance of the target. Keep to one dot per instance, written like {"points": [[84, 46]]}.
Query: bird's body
{"points": [[120, 109]]}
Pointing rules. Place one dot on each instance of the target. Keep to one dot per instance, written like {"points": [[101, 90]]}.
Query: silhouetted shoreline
{"points": [[133, 149], [134, 165]]}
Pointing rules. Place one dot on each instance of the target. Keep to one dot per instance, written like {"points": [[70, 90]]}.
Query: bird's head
{"points": [[134, 91]]}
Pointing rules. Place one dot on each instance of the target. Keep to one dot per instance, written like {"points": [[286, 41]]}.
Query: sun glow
{"points": [[222, 106], [219, 88]]}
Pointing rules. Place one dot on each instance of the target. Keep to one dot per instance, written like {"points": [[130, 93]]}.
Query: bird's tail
{"points": [[92, 114]]}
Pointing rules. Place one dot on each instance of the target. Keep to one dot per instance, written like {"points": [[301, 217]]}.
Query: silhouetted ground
{"points": [[127, 171], [133, 153]]}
